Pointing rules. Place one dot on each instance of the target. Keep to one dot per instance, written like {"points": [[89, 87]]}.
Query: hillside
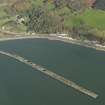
{"points": [[65, 16]]}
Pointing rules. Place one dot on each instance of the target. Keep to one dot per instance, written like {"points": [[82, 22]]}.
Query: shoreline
{"points": [[19, 36]]}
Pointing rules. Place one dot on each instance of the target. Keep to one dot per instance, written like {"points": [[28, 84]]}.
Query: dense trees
{"points": [[57, 16], [75, 5], [40, 20]]}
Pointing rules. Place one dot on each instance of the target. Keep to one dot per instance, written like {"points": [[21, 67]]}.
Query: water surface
{"points": [[21, 85]]}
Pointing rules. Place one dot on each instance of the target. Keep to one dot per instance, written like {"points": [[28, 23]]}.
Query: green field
{"points": [[93, 18]]}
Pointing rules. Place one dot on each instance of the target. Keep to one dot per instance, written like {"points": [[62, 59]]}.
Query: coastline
{"points": [[59, 37]]}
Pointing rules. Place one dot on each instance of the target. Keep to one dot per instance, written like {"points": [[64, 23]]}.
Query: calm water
{"points": [[100, 4], [21, 85]]}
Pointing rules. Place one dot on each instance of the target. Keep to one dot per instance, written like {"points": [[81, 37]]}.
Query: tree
{"points": [[43, 22], [74, 5]]}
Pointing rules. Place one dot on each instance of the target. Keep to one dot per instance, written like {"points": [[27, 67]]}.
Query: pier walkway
{"points": [[51, 74]]}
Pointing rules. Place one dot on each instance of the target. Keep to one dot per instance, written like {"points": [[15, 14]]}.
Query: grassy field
{"points": [[93, 18]]}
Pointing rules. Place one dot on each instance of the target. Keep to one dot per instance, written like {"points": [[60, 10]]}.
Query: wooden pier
{"points": [[51, 74]]}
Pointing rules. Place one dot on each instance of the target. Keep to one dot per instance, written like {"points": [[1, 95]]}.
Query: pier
{"points": [[51, 74]]}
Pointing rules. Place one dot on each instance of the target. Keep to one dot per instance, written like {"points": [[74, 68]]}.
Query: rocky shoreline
{"points": [[17, 36]]}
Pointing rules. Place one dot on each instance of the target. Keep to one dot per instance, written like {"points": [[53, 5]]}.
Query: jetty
{"points": [[51, 74]]}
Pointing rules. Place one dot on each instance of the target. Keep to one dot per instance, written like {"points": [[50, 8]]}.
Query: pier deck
{"points": [[51, 74]]}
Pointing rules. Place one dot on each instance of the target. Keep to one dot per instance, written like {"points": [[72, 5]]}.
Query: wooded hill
{"points": [[75, 17]]}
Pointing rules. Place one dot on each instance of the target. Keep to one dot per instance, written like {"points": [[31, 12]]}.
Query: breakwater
{"points": [[51, 74]]}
